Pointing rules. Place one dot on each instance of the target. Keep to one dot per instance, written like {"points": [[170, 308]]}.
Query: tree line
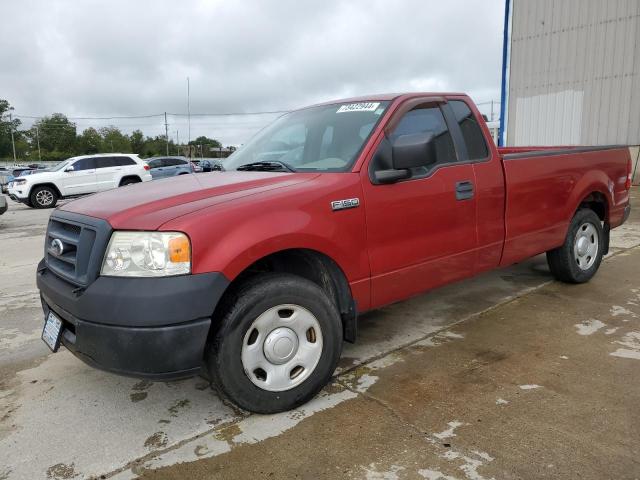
{"points": [[55, 137]]}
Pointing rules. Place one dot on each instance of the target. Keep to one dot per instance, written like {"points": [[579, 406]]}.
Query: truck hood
{"points": [[146, 206]]}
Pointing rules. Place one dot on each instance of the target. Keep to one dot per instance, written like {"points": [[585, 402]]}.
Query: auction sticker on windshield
{"points": [[359, 107], [51, 331]]}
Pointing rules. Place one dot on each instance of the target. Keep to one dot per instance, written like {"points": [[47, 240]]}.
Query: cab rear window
{"points": [[471, 131]]}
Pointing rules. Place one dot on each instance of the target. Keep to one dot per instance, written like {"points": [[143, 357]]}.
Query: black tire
{"points": [[43, 197], [129, 181], [241, 308], [562, 260]]}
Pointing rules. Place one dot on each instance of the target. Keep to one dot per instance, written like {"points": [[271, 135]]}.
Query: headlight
{"points": [[20, 181], [147, 254]]}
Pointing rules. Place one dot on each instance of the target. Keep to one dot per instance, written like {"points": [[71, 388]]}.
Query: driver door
{"points": [[82, 179], [421, 231]]}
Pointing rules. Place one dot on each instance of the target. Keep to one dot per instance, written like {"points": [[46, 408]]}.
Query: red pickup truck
{"points": [[258, 273]]}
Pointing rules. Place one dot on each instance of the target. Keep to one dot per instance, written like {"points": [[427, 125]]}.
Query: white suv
{"points": [[78, 176]]}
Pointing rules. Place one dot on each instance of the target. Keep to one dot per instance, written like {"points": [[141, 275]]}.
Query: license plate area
{"points": [[52, 331]]}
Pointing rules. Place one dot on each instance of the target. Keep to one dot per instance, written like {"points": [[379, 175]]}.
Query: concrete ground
{"points": [[508, 375]]}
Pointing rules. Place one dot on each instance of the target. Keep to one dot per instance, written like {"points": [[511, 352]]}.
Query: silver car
{"points": [[3, 204], [163, 167]]}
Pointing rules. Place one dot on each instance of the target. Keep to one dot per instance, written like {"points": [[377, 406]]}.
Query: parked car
{"points": [[8, 174], [197, 167], [4, 185], [211, 165], [17, 171], [260, 272], [78, 176], [3, 204], [162, 167]]}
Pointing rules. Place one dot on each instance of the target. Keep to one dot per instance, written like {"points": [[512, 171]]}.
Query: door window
{"points": [[84, 164], [173, 162], [103, 162], [471, 131], [122, 161]]}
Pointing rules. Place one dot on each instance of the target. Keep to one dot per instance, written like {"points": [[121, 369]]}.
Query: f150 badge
{"points": [[344, 204]]}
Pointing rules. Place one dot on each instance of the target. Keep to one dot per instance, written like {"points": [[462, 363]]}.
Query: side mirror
{"points": [[392, 161], [414, 150], [69, 169]]}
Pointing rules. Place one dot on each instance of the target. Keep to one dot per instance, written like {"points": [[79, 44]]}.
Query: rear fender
{"points": [[593, 181]]}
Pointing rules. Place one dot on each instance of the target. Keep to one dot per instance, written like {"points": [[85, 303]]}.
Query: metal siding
{"points": [[626, 80], [634, 104], [574, 72]]}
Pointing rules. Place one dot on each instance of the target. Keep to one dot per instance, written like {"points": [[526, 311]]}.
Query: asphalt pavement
{"points": [[507, 375]]}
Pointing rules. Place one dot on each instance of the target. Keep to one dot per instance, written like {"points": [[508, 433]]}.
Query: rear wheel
{"points": [[43, 197], [278, 343], [579, 258]]}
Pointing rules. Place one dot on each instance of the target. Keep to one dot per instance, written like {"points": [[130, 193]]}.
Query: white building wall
{"points": [[574, 73]]}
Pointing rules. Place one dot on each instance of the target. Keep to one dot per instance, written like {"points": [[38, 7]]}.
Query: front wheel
{"points": [[43, 197], [579, 258], [277, 344]]}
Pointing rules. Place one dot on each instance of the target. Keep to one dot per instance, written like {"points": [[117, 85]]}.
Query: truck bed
{"points": [[545, 185]]}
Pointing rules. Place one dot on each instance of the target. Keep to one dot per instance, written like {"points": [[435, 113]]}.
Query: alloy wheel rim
{"points": [[44, 197], [282, 347], [585, 246]]}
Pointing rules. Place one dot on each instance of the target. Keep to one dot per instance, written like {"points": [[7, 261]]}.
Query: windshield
{"points": [[326, 138], [59, 166]]}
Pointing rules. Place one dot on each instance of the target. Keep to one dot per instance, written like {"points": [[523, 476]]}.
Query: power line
{"points": [[228, 114], [154, 115], [121, 117]]}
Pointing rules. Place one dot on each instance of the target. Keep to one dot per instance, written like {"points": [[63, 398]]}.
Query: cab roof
{"points": [[382, 97]]}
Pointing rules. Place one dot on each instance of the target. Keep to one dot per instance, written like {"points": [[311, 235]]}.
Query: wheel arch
{"points": [[129, 177], [592, 191], [312, 265], [45, 184], [599, 203]]}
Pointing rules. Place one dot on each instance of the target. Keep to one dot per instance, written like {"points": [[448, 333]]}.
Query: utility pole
{"points": [[492, 110], [189, 115], [178, 140], [13, 142], [166, 131], [38, 140]]}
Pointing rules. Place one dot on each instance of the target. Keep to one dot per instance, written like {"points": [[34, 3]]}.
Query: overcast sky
{"points": [[112, 58]]}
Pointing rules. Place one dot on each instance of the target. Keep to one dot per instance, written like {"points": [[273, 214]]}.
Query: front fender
{"points": [[231, 236], [248, 242]]}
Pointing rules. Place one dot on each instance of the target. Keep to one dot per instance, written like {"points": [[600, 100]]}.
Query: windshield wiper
{"points": [[272, 166]]}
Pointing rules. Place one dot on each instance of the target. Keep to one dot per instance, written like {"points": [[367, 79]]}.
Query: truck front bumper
{"points": [[152, 328]]}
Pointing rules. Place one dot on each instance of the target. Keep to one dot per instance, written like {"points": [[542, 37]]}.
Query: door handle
{"points": [[464, 190]]}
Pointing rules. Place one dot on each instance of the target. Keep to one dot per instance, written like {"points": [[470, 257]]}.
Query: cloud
{"points": [[132, 57]]}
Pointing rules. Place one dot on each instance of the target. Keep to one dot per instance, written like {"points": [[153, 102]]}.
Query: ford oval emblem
{"points": [[57, 247]]}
